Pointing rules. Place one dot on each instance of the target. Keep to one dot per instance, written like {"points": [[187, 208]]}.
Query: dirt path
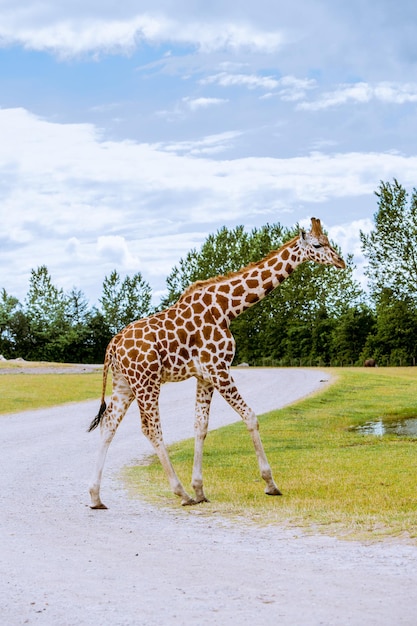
{"points": [[63, 564]]}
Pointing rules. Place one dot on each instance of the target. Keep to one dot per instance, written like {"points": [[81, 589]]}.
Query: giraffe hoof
{"points": [[273, 492], [98, 506], [188, 502]]}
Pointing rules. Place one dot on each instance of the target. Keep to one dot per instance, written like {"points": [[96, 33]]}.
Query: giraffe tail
{"points": [[107, 360], [96, 421]]}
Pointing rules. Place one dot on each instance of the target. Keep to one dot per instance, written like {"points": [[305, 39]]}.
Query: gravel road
{"points": [[63, 564]]}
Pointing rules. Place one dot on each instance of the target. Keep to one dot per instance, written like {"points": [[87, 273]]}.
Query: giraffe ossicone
{"points": [[192, 338]]}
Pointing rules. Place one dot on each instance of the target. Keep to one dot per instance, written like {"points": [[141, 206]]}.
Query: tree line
{"points": [[55, 326], [317, 317]]}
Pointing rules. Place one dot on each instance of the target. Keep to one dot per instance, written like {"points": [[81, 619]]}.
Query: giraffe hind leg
{"points": [[202, 408], [151, 428], [94, 488], [168, 468], [173, 479], [109, 419]]}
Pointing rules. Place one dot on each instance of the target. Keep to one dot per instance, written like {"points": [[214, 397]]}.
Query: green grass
{"points": [[21, 392], [334, 480]]}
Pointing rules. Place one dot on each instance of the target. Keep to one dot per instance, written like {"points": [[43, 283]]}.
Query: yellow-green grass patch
{"points": [[21, 392], [18, 365], [333, 478]]}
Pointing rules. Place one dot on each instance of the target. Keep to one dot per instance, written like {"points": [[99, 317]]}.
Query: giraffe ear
{"points": [[303, 234]]}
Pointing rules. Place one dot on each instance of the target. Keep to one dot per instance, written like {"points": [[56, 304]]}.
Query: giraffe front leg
{"points": [[227, 388], [253, 426], [203, 399]]}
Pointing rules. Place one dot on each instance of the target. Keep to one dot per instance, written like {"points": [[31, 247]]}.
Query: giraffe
{"points": [[192, 338]]}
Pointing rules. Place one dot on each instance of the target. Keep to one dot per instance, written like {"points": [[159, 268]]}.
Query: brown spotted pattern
{"points": [[192, 338]]}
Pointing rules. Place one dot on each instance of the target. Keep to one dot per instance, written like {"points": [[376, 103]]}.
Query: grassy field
{"points": [[21, 392], [334, 479]]}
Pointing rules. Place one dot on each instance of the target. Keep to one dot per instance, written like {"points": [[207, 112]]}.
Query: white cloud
{"points": [[218, 35], [292, 88], [287, 88], [396, 93], [82, 205], [181, 109], [68, 174], [202, 103], [363, 93], [212, 144], [360, 92], [163, 250], [347, 236], [69, 35], [115, 250], [71, 163], [73, 247], [252, 81]]}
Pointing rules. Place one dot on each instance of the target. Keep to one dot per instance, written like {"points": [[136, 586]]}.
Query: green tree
{"points": [[350, 334], [9, 309], [45, 303], [391, 247], [394, 341], [71, 344], [54, 326], [97, 336], [76, 308], [45, 310], [124, 301]]}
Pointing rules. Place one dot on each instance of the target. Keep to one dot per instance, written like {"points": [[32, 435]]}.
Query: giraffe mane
{"points": [[201, 284]]}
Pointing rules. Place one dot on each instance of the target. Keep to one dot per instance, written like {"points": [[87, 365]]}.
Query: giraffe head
{"points": [[316, 247]]}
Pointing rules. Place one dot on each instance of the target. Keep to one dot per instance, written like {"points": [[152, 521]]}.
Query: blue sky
{"points": [[130, 131]]}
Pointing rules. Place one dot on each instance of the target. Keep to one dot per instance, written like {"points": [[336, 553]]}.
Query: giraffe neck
{"points": [[241, 290]]}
